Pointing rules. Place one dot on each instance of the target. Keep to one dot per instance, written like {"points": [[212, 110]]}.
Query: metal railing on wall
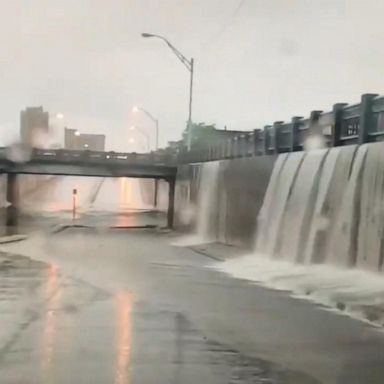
{"points": [[344, 124]]}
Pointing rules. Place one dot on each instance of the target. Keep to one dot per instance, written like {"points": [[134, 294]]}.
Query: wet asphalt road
{"points": [[127, 307]]}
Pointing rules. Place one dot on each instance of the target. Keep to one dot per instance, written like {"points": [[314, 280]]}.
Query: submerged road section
{"points": [[112, 306]]}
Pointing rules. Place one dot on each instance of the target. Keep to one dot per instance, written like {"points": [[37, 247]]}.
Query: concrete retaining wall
{"points": [[242, 185], [239, 193]]}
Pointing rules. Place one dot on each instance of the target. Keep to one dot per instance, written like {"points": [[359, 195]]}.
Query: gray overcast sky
{"points": [[272, 60]]}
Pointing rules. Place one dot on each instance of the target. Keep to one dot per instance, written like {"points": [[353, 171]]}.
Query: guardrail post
{"points": [[314, 122], [239, 143], [365, 117], [249, 144], [276, 136], [267, 138], [295, 125], [256, 142], [337, 112], [246, 145], [242, 145]]}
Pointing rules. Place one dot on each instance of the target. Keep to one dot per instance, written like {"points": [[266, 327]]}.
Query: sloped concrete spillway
{"points": [[326, 206], [302, 205], [219, 200], [320, 230]]}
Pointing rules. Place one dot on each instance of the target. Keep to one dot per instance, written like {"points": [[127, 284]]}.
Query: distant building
{"points": [[83, 141], [34, 126], [204, 136]]}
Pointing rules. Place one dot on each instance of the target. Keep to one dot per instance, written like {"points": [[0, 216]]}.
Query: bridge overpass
{"points": [[85, 163]]}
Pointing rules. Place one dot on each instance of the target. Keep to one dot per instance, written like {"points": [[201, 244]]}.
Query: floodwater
{"points": [[109, 305]]}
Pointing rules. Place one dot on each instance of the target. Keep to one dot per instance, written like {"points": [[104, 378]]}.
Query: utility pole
{"points": [[189, 64]]}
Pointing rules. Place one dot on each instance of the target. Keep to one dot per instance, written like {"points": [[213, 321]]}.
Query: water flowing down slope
{"points": [[321, 230]]}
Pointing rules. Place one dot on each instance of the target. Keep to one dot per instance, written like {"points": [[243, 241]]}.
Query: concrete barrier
{"points": [[239, 193], [242, 185]]}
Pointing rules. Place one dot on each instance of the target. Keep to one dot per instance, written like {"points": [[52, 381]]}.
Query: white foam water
{"points": [[332, 187], [293, 232], [323, 213], [354, 291], [343, 239], [275, 201], [206, 207]]}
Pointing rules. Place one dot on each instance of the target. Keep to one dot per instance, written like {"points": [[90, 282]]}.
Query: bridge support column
{"points": [[171, 202], [13, 199], [155, 193]]}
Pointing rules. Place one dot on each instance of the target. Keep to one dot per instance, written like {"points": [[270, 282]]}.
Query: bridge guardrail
{"points": [[93, 157], [344, 124]]}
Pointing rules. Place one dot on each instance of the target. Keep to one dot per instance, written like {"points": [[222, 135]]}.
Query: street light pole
{"points": [[133, 128], [156, 185], [189, 141], [189, 64], [154, 119]]}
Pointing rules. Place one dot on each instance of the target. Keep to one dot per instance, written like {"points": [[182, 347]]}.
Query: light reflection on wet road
{"points": [[52, 301], [124, 304]]}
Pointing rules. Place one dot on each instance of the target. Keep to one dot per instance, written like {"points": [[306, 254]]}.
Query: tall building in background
{"points": [[86, 141], [34, 126]]}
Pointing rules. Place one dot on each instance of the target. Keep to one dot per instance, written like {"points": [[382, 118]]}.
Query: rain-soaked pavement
{"points": [[116, 306]]}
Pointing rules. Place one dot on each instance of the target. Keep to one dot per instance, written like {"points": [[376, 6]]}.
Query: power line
{"points": [[227, 23], [241, 3]]}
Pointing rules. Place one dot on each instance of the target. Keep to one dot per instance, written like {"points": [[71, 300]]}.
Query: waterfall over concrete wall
{"points": [[331, 191], [272, 212], [321, 230], [236, 189], [343, 239], [266, 215], [207, 200], [205, 205], [296, 220], [326, 206], [370, 238]]}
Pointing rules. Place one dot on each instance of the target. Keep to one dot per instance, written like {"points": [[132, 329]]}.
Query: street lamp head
{"points": [[147, 35], [77, 133], [135, 109]]}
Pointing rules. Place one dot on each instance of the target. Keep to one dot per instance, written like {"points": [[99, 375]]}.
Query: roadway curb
{"points": [[12, 239]]}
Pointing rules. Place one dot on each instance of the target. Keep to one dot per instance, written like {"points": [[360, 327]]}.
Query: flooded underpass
{"points": [[98, 305], [108, 296], [65, 327]]}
